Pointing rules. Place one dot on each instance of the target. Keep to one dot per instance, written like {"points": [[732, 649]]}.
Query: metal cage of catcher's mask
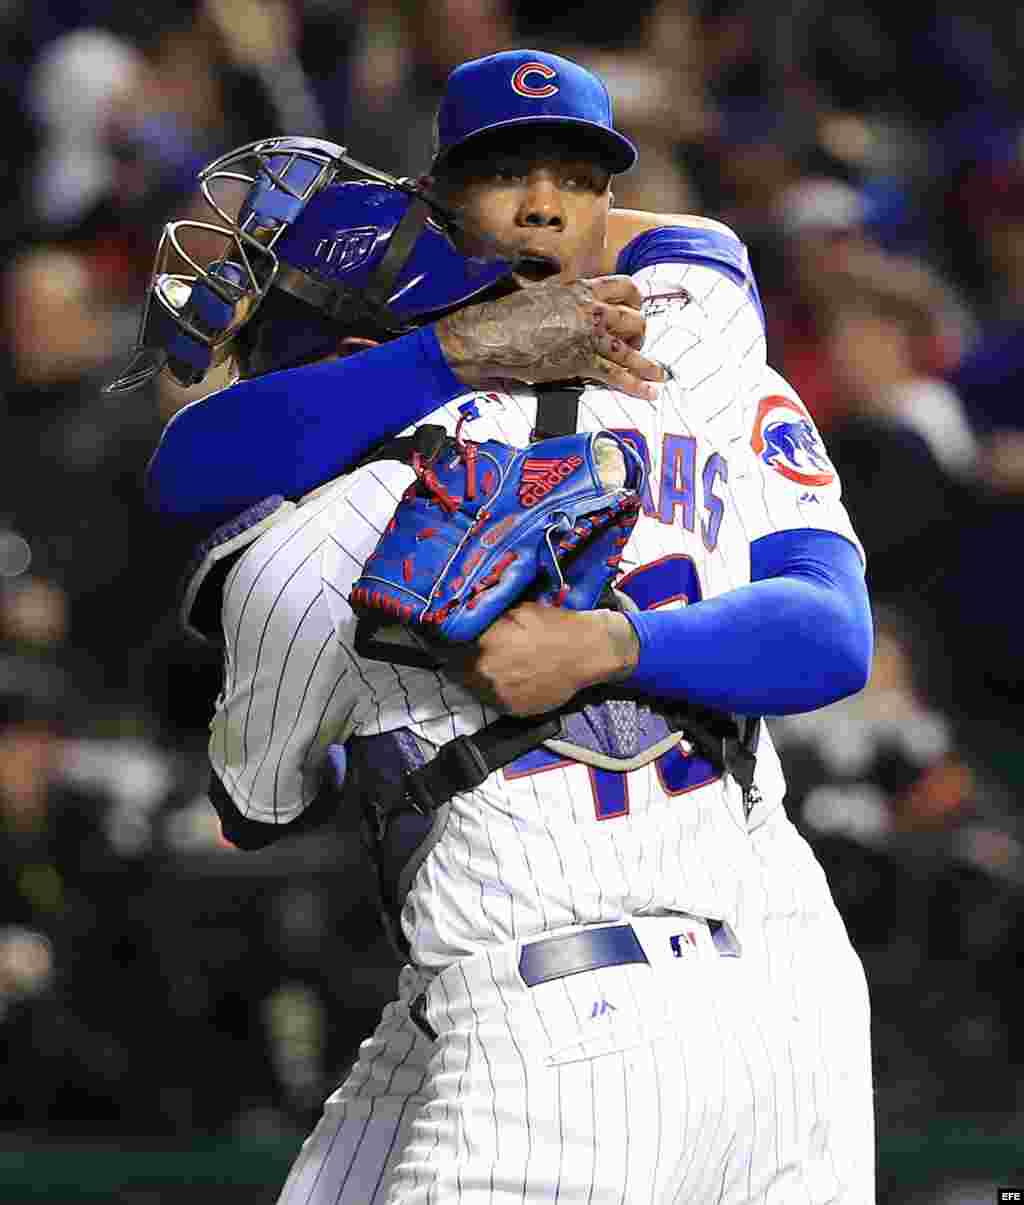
{"points": [[380, 254]]}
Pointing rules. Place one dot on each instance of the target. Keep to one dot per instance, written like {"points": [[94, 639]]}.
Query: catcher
{"points": [[606, 913], [479, 526]]}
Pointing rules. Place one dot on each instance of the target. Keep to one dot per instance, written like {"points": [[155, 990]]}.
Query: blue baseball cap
{"points": [[528, 87]]}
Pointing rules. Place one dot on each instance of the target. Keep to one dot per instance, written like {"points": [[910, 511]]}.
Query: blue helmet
{"points": [[321, 246]]}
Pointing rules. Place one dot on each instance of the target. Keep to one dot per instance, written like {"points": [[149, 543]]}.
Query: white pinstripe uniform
{"points": [[692, 1078]]}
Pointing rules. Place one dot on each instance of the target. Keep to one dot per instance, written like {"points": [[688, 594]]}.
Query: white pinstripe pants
{"points": [[696, 1079]]}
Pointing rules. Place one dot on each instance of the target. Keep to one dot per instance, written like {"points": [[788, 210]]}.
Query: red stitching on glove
{"points": [[430, 481], [494, 576], [469, 451], [407, 568], [439, 615], [481, 519], [491, 579]]}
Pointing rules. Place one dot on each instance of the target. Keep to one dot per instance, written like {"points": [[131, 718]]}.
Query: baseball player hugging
{"points": [[531, 640]]}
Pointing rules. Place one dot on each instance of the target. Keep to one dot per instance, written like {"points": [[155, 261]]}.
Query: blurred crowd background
{"points": [[158, 987]]}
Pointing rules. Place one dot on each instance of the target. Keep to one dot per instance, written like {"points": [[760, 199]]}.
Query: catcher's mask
{"points": [[368, 252]]}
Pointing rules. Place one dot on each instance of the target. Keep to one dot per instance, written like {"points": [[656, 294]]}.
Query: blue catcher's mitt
{"points": [[486, 525]]}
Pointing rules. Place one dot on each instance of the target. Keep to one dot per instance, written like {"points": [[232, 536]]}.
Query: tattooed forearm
{"points": [[551, 332], [545, 333]]}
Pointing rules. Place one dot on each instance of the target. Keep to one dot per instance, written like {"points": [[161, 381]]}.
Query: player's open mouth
{"points": [[535, 268]]}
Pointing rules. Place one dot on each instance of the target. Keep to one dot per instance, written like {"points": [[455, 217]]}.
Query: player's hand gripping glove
{"points": [[486, 525]]}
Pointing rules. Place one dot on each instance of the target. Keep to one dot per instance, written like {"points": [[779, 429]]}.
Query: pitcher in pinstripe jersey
{"points": [[692, 1075], [625, 979]]}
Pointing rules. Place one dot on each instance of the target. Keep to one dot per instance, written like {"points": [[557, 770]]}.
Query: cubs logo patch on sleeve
{"points": [[785, 439]]}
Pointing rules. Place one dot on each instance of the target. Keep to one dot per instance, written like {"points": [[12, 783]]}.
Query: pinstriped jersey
{"points": [[732, 455]]}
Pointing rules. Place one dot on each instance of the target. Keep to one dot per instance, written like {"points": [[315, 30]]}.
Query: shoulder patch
{"points": [[664, 303], [785, 439]]}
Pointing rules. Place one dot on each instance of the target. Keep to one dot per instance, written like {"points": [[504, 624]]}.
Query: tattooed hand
{"points": [[554, 332]]}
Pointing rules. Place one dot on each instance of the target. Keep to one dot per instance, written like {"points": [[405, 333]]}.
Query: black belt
{"points": [[557, 957], [588, 950], [593, 948]]}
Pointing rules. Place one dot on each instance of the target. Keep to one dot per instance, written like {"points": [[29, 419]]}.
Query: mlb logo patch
{"points": [[784, 438], [683, 943]]}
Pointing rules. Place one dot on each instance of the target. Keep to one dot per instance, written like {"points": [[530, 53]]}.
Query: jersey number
{"points": [[670, 579]]}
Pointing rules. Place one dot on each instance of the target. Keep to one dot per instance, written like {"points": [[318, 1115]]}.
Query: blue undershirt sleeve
{"points": [[290, 431], [798, 637]]}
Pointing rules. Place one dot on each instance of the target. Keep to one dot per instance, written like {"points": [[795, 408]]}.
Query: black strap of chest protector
{"points": [[729, 742], [558, 407], [466, 761], [557, 410]]}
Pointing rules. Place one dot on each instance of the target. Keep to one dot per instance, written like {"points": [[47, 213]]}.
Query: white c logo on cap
{"points": [[520, 86]]}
